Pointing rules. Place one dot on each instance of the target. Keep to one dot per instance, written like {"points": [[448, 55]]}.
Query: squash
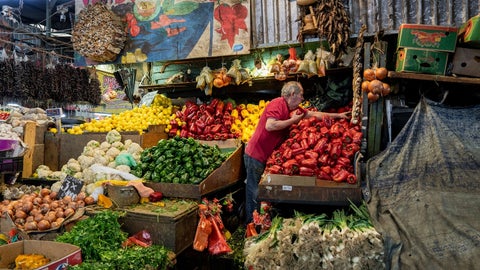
{"points": [[104, 201]]}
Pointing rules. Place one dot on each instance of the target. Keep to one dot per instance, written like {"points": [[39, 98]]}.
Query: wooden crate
{"points": [[173, 225], [34, 138], [226, 175]]}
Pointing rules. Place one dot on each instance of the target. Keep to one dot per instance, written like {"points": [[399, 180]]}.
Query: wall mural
{"points": [[160, 30]]}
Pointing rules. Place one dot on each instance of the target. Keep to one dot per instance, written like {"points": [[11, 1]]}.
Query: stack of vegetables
{"points": [[179, 160], [317, 242], [323, 148], [102, 243], [205, 121], [137, 119], [217, 120]]}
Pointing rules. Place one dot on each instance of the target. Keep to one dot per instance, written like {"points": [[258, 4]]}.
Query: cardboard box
{"points": [[173, 225], [431, 37], [227, 174], [61, 255], [466, 62], [421, 61], [469, 33]]}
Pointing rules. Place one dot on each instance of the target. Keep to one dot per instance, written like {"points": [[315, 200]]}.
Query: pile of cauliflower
{"points": [[95, 153]]}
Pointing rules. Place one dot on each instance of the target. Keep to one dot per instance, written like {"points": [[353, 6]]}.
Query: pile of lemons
{"points": [[138, 119]]}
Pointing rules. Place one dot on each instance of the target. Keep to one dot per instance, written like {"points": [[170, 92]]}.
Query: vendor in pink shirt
{"points": [[271, 131]]}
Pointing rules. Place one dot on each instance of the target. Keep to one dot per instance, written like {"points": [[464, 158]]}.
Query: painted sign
{"points": [[160, 30]]}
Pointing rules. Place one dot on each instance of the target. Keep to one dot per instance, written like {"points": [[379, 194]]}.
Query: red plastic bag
{"points": [[217, 242], [204, 228], [142, 238]]}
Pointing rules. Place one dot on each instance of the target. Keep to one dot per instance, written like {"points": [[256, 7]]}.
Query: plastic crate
{"points": [[11, 164]]}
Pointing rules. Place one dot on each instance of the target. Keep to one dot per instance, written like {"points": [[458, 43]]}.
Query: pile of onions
{"points": [[373, 83], [43, 210]]}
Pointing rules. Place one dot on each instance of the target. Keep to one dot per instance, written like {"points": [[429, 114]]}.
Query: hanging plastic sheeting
{"points": [[423, 191]]}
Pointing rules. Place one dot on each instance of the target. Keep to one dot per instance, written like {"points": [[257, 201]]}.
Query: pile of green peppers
{"points": [[179, 160]]}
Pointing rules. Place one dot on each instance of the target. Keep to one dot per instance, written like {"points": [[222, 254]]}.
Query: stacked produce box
{"points": [[466, 60], [425, 48]]}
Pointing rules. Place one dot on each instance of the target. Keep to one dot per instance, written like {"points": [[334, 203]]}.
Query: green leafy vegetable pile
{"points": [[179, 160], [100, 239]]}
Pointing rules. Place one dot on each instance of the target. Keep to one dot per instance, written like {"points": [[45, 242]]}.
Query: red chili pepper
{"points": [[311, 154], [309, 162], [305, 171], [321, 145], [336, 151], [351, 179], [340, 176], [275, 169]]}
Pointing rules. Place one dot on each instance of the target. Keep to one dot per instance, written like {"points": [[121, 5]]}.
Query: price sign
{"points": [[54, 112], [71, 186]]}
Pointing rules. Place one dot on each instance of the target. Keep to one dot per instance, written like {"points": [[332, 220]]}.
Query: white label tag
{"points": [[287, 188]]}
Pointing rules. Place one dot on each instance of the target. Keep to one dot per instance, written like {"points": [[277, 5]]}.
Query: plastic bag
{"points": [[141, 238], [204, 228], [125, 159], [217, 243]]}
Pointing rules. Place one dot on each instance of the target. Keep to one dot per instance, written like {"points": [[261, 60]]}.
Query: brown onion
{"points": [[43, 225], [37, 201], [27, 207], [89, 200], [38, 217], [20, 214], [68, 212], [53, 195], [31, 226], [45, 192], [59, 213]]}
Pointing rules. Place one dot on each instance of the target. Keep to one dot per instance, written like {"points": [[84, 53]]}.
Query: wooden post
{"points": [[29, 134]]}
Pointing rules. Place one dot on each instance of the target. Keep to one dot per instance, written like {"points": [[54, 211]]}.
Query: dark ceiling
{"points": [[55, 16], [35, 12]]}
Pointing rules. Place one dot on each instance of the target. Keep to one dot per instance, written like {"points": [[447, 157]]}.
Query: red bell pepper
{"points": [[200, 124], [340, 176], [323, 159], [290, 166], [184, 133], [304, 144], [350, 150], [337, 130], [323, 175], [351, 178], [356, 136], [228, 107], [309, 162], [297, 151], [215, 128], [287, 154], [312, 139], [343, 161], [320, 145], [311, 154], [299, 157], [294, 132], [275, 169], [327, 121], [336, 151], [219, 108], [305, 171]]}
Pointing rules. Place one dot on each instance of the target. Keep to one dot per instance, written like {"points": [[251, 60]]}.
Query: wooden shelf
{"points": [[436, 78]]}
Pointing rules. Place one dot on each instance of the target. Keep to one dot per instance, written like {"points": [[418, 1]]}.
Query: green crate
{"points": [[469, 33], [421, 61], [430, 37]]}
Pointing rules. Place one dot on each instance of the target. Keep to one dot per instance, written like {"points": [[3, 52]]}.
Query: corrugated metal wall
{"points": [[277, 22]]}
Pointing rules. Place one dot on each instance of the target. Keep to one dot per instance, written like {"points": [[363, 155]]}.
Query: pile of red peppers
{"points": [[205, 121], [323, 148]]}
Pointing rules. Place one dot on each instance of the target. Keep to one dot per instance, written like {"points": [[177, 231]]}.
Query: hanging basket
{"points": [[98, 34]]}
